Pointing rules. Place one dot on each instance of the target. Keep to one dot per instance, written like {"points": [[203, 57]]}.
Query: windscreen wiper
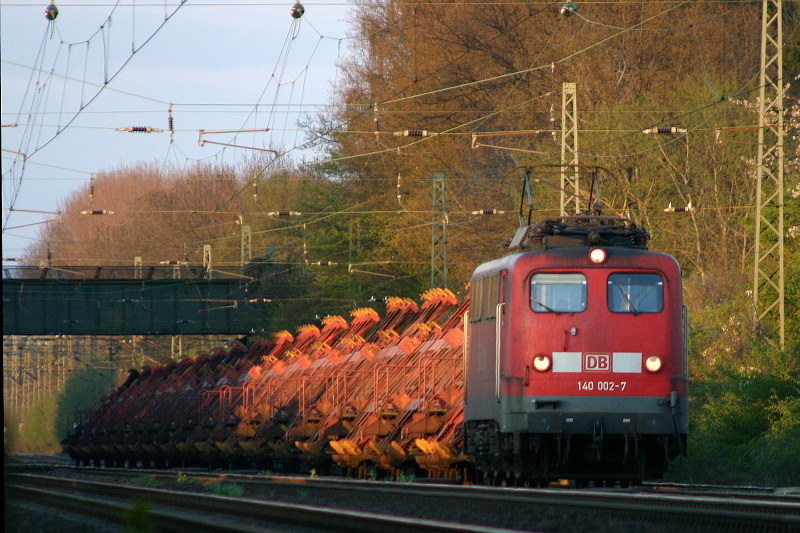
{"points": [[628, 299], [546, 308]]}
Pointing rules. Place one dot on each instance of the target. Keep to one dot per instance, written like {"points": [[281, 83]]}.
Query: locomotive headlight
{"points": [[541, 363], [653, 363], [597, 256]]}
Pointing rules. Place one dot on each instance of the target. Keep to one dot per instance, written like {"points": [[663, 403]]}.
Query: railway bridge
{"points": [[127, 300]]}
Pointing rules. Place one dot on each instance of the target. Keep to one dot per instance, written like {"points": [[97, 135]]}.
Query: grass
{"points": [[147, 480], [225, 489]]}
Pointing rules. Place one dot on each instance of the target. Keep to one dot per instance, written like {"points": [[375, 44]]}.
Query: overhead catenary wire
{"points": [[519, 72], [17, 181], [454, 133], [540, 67], [256, 3]]}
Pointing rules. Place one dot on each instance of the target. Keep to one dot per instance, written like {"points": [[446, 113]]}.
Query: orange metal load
{"points": [[375, 393], [402, 387]]}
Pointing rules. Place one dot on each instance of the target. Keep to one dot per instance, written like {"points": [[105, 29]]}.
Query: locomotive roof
{"points": [[578, 257], [580, 230]]}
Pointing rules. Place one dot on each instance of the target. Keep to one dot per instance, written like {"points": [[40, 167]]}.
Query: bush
{"points": [[745, 426], [775, 458]]}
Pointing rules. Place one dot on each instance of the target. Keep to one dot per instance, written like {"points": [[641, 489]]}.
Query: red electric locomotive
{"points": [[577, 358]]}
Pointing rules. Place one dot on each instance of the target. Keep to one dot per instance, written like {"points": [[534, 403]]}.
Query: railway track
{"points": [[171, 510], [319, 504]]}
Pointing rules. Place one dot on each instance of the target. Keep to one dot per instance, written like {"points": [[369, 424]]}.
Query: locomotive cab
{"points": [[576, 361]]}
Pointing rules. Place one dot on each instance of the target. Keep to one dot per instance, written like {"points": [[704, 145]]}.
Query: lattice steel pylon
{"points": [[439, 234], [176, 349], [569, 149], [247, 245], [768, 280], [207, 260]]}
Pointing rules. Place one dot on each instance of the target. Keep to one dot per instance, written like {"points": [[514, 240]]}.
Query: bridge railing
{"points": [[125, 272]]}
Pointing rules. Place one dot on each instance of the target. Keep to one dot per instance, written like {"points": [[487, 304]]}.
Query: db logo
{"points": [[596, 362]]}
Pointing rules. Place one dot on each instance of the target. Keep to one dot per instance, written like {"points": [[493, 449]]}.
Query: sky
{"points": [[68, 84]]}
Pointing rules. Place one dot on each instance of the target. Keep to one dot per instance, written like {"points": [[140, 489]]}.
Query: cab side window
{"points": [[635, 293], [558, 293], [485, 294]]}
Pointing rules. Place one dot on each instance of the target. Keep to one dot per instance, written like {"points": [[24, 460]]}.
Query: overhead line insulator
{"points": [[141, 129], [414, 133], [488, 212], [170, 122], [665, 131], [284, 214], [679, 209], [97, 212]]}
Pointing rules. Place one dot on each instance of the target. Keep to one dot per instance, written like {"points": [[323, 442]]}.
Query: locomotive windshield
{"points": [[558, 293], [635, 293]]}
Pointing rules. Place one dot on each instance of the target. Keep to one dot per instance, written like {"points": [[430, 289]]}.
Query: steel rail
{"points": [[732, 512], [673, 493], [177, 510]]}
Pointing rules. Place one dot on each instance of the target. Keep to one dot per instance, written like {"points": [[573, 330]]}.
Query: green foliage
{"points": [[792, 242], [791, 51], [745, 425], [225, 489], [11, 429], [774, 454], [332, 262], [83, 391], [405, 478], [147, 480], [48, 421], [139, 519], [36, 432]]}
